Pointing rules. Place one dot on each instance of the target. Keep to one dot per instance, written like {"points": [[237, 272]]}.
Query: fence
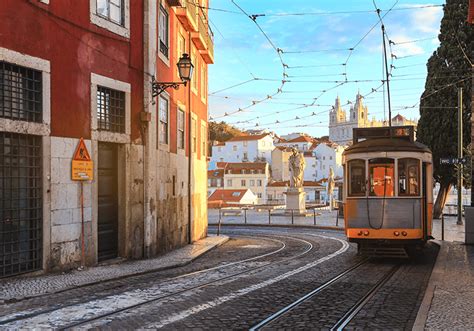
{"points": [[266, 215]]}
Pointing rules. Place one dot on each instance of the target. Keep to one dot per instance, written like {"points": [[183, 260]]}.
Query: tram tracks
{"points": [[349, 315], [11, 321]]}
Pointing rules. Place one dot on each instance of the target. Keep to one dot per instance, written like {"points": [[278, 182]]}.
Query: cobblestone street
{"points": [[237, 285]]}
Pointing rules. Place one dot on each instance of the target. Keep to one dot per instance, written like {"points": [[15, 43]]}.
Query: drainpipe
{"points": [[149, 68], [190, 140]]}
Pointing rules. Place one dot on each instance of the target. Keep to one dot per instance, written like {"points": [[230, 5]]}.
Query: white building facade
{"points": [[244, 149]]}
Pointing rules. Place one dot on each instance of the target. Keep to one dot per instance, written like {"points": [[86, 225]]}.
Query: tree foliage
{"points": [[222, 131], [448, 69]]}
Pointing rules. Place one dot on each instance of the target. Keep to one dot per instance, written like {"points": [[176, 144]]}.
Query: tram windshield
{"points": [[408, 177], [381, 172]]}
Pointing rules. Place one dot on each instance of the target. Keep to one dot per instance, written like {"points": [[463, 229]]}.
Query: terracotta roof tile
{"points": [[301, 139], [217, 173], [306, 183], [227, 195]]}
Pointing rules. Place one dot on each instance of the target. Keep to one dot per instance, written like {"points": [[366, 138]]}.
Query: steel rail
{"points": [[49, 310], [349, 315], [87, 321], [305, 297]]}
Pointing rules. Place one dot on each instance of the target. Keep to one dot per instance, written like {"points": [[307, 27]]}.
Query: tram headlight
{"points": [[360, 233], [366, 233], [404, 233], [396, 233]]}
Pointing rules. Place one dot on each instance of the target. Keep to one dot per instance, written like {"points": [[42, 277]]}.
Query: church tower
{"points": [[359, 112], [337, 114]]}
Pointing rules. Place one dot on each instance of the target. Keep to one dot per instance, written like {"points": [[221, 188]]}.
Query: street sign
{"points": [[452, 160], [82, 165]]}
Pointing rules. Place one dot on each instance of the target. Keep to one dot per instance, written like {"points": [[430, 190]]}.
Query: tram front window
{"points": [[381, 177], [408, 177], [357, 178]]}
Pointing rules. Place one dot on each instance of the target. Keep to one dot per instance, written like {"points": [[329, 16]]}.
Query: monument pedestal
{"points": [[295, 201], [469, 225]]}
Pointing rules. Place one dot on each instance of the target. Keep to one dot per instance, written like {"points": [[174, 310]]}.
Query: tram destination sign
{"points": [[452, 160]]}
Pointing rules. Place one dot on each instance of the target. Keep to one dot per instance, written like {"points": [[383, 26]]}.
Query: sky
{"points": [[311, 51]]}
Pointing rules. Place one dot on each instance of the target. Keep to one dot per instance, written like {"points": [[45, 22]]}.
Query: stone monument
{"points": [[330, 188], [295, 195]]}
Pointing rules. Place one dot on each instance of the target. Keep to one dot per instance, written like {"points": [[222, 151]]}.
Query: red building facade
{"points": [[83, 69]]}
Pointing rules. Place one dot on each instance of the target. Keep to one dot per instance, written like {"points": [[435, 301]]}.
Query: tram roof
{"points": [[386, 145]]}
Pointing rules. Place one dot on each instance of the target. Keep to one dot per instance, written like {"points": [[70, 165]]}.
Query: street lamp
{"points": [[185, 70]]}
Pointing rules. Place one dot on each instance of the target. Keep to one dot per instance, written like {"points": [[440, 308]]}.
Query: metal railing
{"points": [[272, 215]]}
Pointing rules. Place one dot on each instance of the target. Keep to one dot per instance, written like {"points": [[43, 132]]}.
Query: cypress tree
{"points": [[448, 69]]}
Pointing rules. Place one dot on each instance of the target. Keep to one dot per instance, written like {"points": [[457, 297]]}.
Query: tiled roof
{"points": [[301, 139], [247, 138], [236, 167], [221, 165], [398, 118], [217, 173], [227, 195], [284, 149]]}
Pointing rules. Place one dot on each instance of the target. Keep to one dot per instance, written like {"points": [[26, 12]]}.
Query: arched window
{"points": [[362, 115]]}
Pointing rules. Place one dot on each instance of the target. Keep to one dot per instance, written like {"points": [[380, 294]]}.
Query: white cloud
{"points": [[427, 20], [405, 49]]}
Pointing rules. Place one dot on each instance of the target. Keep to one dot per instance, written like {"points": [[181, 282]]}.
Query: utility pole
{"points": [[460, 152]]}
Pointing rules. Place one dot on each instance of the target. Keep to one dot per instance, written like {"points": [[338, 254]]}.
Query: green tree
{"points": [[448, 68], [222, 131]]}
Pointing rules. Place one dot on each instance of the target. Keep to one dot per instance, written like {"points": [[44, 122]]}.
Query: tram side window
{"points": [[408, 177], [357, 178], [381, 177]]}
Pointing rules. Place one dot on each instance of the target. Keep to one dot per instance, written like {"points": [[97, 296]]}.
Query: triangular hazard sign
{"points": [[81, 153]]}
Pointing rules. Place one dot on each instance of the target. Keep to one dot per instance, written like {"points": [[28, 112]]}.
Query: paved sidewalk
{"points": [[449, 297], [22, 287]]}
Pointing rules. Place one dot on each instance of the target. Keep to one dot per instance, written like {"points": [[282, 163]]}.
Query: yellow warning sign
{"points": [[82, 165]]}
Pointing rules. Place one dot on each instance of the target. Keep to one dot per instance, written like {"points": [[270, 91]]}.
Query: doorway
{"points": [[107, 202]]}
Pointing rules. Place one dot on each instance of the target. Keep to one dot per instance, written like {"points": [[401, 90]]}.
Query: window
{"points": [[219, 149], [111, 10], [110, 110], [324, 158], [194, 77], [163, 25], [381, 177], [236, 194], [209, 183], [269, 197], [203, 82], [181, 124], [229, 182], [234, 148], [330, 158], [259, 182], [259, 195], [20, 93], [163, 120], [356, 178], [245, 143], [194, 134], [246, 156], [203, 139], [408, 177], [221, 159], [244, 171], [181, 48], [252, 182], [243, 183]]}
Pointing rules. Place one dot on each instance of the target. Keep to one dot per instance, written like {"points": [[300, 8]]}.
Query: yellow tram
{"points": [[388, 191]]}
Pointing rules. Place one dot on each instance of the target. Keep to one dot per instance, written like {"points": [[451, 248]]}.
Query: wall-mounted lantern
{"points": [[185, 70]]}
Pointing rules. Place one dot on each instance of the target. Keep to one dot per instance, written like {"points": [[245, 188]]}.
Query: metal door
{"points": [[20, 204], [107, 202]]}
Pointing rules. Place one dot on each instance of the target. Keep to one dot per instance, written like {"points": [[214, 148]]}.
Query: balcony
{"points": [[187, 14], [208, 53], [175, 3], [200, 37]]}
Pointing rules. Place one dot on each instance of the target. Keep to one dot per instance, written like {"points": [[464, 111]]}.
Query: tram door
{"points": [[107, 202], [425, 201]]}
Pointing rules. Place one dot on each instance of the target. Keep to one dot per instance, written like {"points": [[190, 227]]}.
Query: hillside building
{"points": [[251, 148]]}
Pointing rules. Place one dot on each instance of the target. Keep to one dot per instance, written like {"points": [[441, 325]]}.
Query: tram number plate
{"points": [[452, 160]]}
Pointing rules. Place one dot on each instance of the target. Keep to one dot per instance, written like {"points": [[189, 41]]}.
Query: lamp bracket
{"points": [[159, 87]]}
